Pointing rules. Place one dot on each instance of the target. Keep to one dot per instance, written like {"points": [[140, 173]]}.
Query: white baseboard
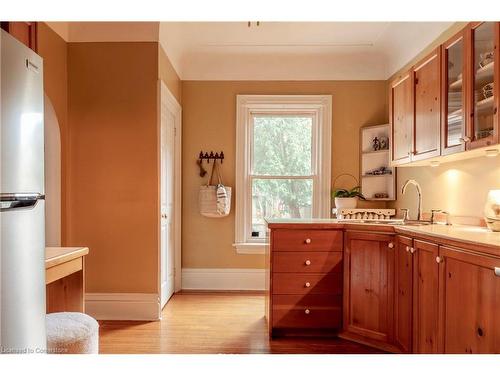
{"points": [[223, 278], [123, 306]]}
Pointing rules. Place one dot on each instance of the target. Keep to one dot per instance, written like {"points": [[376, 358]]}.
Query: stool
{"points": [[72, 333]]}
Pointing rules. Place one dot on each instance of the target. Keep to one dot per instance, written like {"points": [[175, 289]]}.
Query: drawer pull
{"points": [[307, 311], [307, 284], [307, 241], [497, 271], [307, 262], [391, 245]]}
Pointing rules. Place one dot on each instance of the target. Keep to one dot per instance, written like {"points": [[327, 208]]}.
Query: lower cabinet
{"points": [[368, 287], [446, 300], [470, 302], [403, 293], [425, 297]]}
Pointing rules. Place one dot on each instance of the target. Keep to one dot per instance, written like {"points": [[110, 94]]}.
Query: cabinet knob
{"points": [[391, 245], [307, 311], [308, 262], [439, 260], [497, 271], [307, 284], [407, 249], [307, 241], [412, 250]]}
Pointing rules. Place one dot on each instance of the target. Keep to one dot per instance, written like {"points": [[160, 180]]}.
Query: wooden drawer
{"points": [[296, 283], [307, 261], [310, 311], [307, 240]]}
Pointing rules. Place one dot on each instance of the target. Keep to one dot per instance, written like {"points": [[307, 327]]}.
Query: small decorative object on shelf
{"points": [[492, 210], [486, 58], [376, 144], [384, 143], [379, 171], [488, 90]]}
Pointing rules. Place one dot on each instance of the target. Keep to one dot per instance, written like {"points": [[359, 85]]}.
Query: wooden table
{"points": [[65, 278]]}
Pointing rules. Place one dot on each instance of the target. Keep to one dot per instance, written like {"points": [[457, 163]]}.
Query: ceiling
{"points": [[272, 50], [294, 50]]}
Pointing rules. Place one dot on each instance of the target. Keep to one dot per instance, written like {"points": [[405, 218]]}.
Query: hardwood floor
{"points": [[196, 323]]}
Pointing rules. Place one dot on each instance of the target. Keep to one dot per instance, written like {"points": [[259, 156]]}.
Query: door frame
{"points": [[174, 106]]}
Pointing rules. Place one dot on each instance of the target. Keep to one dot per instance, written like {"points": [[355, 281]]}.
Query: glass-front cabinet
{"points": [[483, 90], [453, 134]]}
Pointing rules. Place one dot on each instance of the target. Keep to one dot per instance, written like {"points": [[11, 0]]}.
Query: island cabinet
{"points": [[304, 290], [368, 288]]}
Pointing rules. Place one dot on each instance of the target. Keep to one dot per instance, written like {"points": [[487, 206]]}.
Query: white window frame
{"points": [[247, 106]]}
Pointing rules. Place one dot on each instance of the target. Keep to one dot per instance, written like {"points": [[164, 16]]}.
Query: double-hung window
{"points": [[283, 158]]}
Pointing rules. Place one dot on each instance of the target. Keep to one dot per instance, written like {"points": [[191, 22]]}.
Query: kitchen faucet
{"points": [[419, 192]]}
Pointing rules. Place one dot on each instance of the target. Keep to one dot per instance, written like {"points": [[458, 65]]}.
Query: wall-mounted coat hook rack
{"points": [[212, 156]]}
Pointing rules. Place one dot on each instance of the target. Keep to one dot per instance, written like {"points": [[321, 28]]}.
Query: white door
{"points": [[168, 163]]}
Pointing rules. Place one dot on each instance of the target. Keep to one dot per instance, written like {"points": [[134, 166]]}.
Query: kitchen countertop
{"points": [[472, 235], [58, 255]]}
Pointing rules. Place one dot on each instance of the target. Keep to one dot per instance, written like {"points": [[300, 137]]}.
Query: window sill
{"points": [[250, 248]]}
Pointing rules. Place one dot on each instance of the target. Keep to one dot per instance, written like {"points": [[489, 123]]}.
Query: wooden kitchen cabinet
{"points": [[425, 297], [401, 119], [427, 107], [304, 292], [403, 293], [483, 73], [454, 99], [25, 32], [470, 302], [368, 288]]}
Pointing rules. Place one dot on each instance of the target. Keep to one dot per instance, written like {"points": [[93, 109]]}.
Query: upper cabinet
{"points": [[447, 103], [401, 119], [25, 32], [427, 107], [454, 74], [483, 88], [415, 113]]}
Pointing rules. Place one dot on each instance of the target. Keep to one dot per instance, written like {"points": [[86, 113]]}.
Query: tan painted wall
{"points": [[54, 51], [209, 113], [167, 74], [459, 187], [113, 165]]}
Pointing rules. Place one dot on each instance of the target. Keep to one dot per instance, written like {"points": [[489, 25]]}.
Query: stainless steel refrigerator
{"points": [[22, 213]]}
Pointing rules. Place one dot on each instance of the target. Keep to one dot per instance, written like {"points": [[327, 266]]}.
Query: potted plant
{"points": [[347, 198]]}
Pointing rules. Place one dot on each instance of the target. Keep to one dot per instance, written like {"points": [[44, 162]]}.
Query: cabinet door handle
{"points": [[391, 245], [307, 284], [307, 262], [307, 311], [407, 249], [307, 241], [439, 260], [497, 271], [412, 250]]}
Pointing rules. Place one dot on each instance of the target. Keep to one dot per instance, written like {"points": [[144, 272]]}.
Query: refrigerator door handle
{"points": [[19, 200]]}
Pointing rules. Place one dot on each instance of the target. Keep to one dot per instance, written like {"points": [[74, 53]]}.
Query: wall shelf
{"points": [[374, 159]]}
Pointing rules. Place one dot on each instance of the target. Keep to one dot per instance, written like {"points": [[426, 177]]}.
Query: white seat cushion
{"points": [[72, 333]]}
